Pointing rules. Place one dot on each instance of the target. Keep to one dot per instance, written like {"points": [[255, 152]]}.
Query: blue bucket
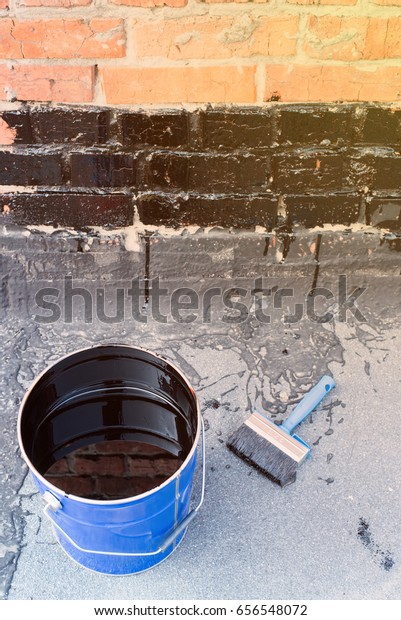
{"points": [[114, 392]]}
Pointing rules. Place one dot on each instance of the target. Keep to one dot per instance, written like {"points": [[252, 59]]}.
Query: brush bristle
{"points": [[259, 452]]}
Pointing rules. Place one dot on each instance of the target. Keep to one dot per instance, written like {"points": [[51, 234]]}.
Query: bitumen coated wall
{"points": [[276, 166]]}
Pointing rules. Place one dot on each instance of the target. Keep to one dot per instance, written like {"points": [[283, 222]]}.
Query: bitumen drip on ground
{"points": [[245, 344]]}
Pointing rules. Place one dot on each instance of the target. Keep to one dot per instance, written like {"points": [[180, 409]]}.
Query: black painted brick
{"points": [[316, 210], [312, 125], [102, 170], [21, 122], [375, 169], [307, 170], [361, 170], [170, 129], [385, 213], [388, 172], [71, 210], [17, 168], [233, 130], [86, 127], [382, 127], [206, 172], [239, 211]]}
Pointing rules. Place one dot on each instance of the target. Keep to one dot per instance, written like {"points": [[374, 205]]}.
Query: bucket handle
{"points": [[53, 505]]}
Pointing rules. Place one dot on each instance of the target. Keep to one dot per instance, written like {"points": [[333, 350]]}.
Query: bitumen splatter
{"points": [[212, 404], [383, 558]]}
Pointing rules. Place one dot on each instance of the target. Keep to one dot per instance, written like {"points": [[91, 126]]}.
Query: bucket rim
{"points": [[131, 498]]}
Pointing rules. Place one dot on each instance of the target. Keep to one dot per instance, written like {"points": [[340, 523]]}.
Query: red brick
{"points": [[110, 447], [83, 486], [101, 465], [7, 134], [227, 84], [66, 4], [119, 487], [147, 450], [217, 37], [142, 467], [62, 38], [152, 3], [122, 447], [62, 84], [60, 467], [332, 83], [167, 467]]}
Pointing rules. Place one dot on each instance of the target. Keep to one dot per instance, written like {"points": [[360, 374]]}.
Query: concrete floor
{"points": [[334, 534]]}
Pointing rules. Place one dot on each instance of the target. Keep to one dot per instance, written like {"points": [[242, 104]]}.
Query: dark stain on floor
{"points": [[384, 558]]}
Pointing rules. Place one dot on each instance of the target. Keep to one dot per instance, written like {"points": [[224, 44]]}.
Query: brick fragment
{"points": [[7, 133]]}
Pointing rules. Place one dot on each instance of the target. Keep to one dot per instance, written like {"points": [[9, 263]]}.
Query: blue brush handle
{"points": [[308, 403]]}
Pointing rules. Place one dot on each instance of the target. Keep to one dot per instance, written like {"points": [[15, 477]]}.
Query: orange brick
{"points": [[237, 1], [383, 38], [7, 134], [152, 3], [332, 83], [66, 4], [336, 38], [226, 84], [321, 2], [62, 38], [217, 37], [62, 84], [353, 38]]}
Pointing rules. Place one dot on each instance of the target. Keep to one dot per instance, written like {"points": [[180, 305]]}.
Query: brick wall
{"points": [[277, 166], [199, 51], [106, 113], [113, 470]]}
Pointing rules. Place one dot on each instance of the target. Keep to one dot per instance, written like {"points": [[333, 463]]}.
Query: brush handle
{"points": [[308, 403]]}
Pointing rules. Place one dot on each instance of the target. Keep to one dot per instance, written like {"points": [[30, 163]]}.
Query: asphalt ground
{"points": [[333, 534]]}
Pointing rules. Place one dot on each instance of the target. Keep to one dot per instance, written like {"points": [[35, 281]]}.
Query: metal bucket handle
{"points": [[54, 505]]}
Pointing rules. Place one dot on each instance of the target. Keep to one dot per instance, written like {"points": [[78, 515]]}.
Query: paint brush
{"points": [[272, 448]]}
